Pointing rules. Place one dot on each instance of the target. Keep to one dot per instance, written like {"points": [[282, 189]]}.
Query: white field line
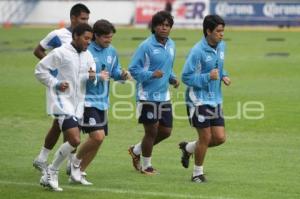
{"points": [[117, 191]]}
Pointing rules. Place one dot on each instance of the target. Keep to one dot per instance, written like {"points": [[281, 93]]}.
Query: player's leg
{"points": [[40, 162], [204, 138], [147, 147], [95, 124], [218, 128], [69, 126]]}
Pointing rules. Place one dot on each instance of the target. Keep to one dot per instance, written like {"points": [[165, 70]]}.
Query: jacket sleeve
{"points": [[191, 74], [91, 65], [139, 65], [46, 67], [116, 68]]}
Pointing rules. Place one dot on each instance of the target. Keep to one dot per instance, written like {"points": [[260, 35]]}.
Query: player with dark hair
{"points": [[203, 74], [97, 98], [152, 68], [79, 13], [75, 66]]}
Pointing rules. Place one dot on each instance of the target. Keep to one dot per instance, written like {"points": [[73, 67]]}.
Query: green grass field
{"points": [[260, 160]]}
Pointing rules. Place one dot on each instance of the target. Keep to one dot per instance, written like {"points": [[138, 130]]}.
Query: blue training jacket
{"points": [[105, 59], [149, 57], [201, 90]]}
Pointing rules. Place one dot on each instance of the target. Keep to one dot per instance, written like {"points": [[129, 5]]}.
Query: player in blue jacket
{"points": [[203, 74], [97, 98], [152, 68]]}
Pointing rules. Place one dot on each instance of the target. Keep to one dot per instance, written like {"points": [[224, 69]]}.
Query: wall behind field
{"points": [[187, 13], [53, 12]]}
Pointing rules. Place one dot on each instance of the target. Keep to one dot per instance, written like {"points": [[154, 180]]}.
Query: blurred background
{"points": [[187, 13]]}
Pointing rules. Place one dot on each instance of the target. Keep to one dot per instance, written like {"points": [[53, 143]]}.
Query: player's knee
{"points": [[220, 139], [98, 137], [74, 141]]}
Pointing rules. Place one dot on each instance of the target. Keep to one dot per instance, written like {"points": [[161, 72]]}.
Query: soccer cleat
{"points": [[185, 156], [83, 180], [68, 168], [50, 179], [75, 173], [44, 180], [198, 179], [149, 171], [135, 159], [39, 165]]}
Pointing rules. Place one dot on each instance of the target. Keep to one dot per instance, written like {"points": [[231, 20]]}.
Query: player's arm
{"points": [[39, 52], [190, 75], [137, 69], [43, 70]]}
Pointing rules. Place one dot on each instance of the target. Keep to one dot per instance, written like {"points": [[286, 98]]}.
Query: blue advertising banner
{"points": [[279, 13]]}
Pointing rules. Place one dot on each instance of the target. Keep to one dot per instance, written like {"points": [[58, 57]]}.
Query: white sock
{"points": [[146, 162], [76, 162], [43, 156], [72, 156], [61, 154], [198, 170], [190, 147], [137, 149]]}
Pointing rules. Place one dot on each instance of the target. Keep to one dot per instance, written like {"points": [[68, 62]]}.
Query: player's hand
{"points": [[157, 74], [226, 80], [214, 74], [125, 75], [92, 74], [104, 75], [174, 82], [63, 86]]}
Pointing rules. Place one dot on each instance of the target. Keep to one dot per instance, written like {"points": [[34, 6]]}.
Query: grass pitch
{"points": [[259, 160]]}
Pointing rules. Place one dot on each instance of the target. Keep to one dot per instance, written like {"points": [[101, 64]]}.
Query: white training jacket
{"points": [[65, 64]]}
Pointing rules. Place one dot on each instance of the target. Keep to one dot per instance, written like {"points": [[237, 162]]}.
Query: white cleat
{"points": [[83, 180], [75, 173], [52, 178], [39, 165]]}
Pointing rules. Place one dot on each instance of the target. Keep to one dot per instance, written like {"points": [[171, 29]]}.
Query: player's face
{"points": [[104, 40], [83, 41], [82, 18], [216, 35], [163, 30]]}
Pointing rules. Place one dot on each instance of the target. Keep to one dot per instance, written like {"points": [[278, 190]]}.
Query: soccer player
{"points": [[75, 67], [97, 98], [152, 68], [203, 73], [79, 13]]}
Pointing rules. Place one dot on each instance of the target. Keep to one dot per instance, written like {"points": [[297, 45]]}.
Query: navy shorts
{"points": [[67, 122], [205, 116], [94, 119], [152, 112]]}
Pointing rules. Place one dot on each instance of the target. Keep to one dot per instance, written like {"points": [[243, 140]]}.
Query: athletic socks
{"points": [[198, 170], [64, 150], [43, 156], [190, 147], [137, 149]]}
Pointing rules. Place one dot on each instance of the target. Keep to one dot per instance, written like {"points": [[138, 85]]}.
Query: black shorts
{"points": [[205, 116], [152, 112], [67, 122], [94, 119]]}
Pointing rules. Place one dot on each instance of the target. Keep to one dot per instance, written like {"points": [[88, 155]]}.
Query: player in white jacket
{"points": [[74, 66], [79, 13]]}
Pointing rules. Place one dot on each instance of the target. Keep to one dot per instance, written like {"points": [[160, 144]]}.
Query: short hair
{"points": [[103, 27], [80, 29], [159, 18], [78, 8], [211, 22]]}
